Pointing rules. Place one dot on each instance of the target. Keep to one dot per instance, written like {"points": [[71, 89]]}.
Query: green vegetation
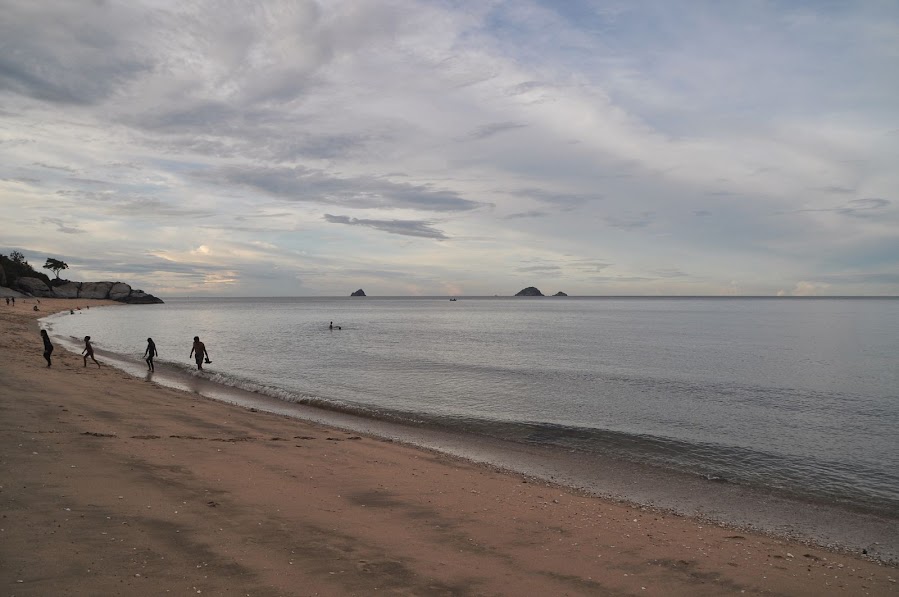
{"points": [[16, 266], [55, 266]]}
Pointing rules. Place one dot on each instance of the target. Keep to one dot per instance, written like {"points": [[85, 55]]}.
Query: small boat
{"points": [[452, 299]]}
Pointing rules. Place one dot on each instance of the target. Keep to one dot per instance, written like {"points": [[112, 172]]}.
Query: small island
{"points": [[529, 291], [359, 292], [560, 293]]}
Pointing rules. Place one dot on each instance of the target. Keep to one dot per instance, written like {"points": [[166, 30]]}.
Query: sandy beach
{"points": [[111, 485]]}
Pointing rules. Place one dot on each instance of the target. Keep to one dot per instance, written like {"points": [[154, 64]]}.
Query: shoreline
{"points": [[311, 509], [838, 526]]}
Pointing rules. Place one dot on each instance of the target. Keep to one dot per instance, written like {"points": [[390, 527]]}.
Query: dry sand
{"points": [[114, 486]]}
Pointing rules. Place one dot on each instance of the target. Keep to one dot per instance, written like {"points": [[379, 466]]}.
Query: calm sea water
{"points": [[796, 395]]}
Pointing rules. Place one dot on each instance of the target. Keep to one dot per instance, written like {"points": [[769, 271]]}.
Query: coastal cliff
{"points": [[114, 291]]}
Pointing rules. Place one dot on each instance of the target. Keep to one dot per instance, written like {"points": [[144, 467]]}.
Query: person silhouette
{"points": [[199, 352], [48, 347], [150, 353], [88, 351]]}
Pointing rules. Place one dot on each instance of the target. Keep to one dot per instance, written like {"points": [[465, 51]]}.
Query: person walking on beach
{"points": [[150, 353], [199, 352], [89, 351], [48, 348]]}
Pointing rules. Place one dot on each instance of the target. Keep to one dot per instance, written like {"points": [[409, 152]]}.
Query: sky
{"points": [[454, 147]]}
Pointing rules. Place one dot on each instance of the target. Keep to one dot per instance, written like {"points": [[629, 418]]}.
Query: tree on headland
{"points": [[16, 266], [55, 266]]}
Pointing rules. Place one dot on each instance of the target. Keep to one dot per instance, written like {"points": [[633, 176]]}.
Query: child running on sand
{"points": [[48, 348], [89, 350]]}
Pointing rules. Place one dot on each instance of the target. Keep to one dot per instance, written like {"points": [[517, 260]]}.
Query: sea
{"points": [[780, 414]]}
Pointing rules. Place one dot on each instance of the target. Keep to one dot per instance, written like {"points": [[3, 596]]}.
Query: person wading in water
{"points": [[199, 352], [150, 353]]}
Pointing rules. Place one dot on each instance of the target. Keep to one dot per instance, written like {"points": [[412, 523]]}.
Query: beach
{"points": [[112, 485]]}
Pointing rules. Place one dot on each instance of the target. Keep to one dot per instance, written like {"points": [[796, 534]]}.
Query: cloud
{"points": [[534, 213], [856, 208], [543, 269], [121, 204], [533, 134], [404, 227], [837, 190], [489, 130], [863, 208], [361, 192], [590, 266], [670, 273], [73, 53], [806, 288], [51, 167], [560, 200], [62, 227], [631, 221]]}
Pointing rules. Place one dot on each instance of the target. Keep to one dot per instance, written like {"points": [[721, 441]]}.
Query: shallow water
{"points": [[797, 397]]}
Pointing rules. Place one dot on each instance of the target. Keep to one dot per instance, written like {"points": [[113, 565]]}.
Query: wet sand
{"points": [[112, 485]]}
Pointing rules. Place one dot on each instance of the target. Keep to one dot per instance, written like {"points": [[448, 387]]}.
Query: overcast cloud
{"points": [[472, 148]]}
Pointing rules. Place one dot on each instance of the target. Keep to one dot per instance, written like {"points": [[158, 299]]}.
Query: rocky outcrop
{"points": [[560, 293], [67, 290], [94, 290], [139, 297], [359, 292], [529, 291], [34, 287], [114, 291], [119, 291]]}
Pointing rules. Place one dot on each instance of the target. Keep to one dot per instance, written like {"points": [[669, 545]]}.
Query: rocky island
{"points": [[534, 291], [359, 292], [529, 291]]}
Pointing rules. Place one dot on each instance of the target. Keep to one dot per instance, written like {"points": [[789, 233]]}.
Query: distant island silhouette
{"points": [[359, 292], [534, 291], [529, 291]]}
